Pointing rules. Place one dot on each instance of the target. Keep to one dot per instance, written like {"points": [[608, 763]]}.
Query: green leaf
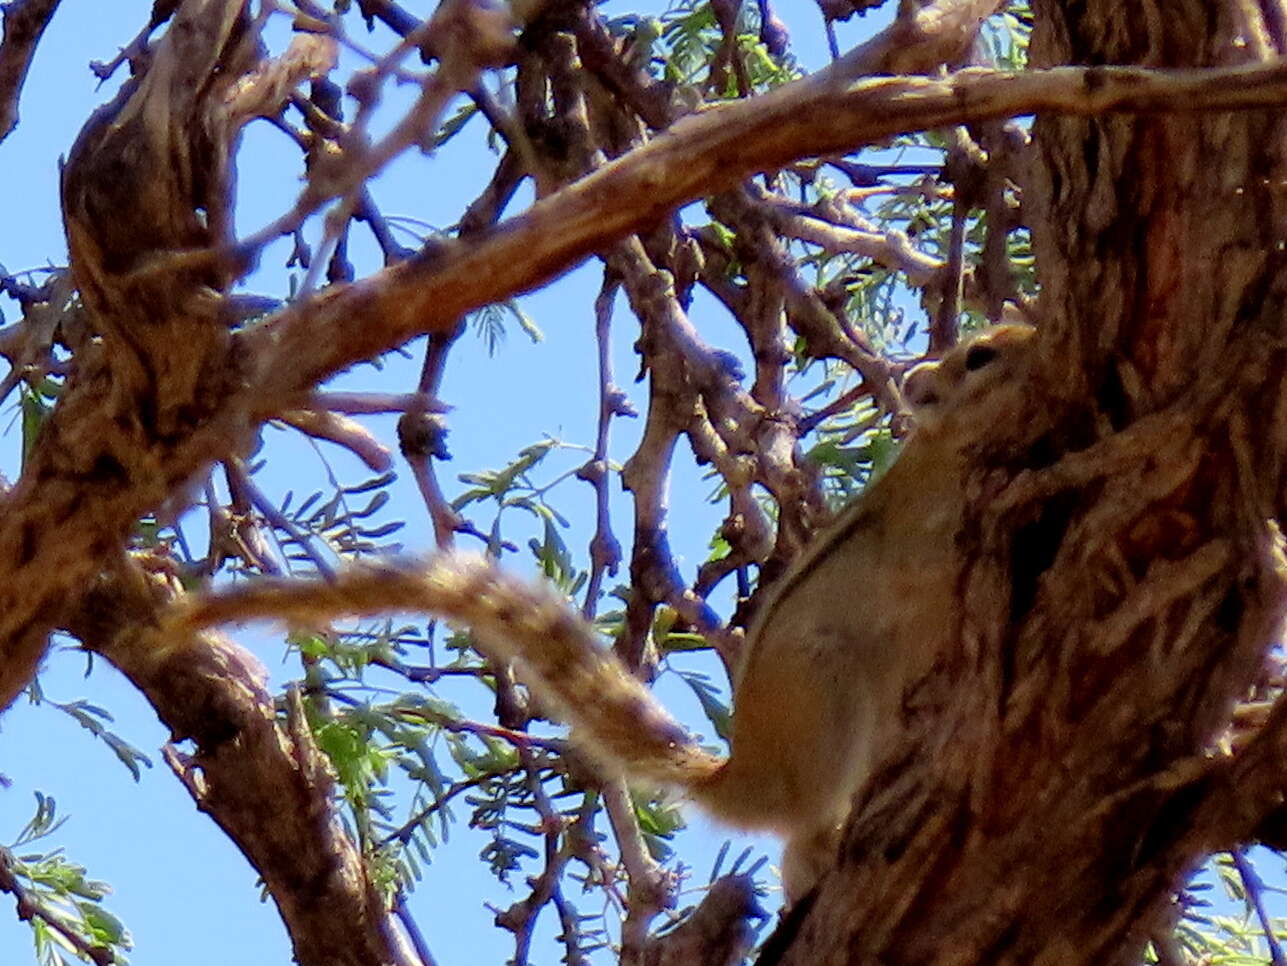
{"points": [[103, 926], [34, 413], [525, 322], [91, 718], [454, 124], [713, 706]]}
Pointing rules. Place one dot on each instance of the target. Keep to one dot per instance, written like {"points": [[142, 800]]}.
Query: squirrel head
{"points": [[976, 388]]}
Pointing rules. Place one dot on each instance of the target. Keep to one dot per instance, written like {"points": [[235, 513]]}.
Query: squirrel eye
{"points": [[979, 356], [924, 399]]}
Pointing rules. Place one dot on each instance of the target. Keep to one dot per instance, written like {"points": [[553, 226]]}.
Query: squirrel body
{"points": [[862, 615]]}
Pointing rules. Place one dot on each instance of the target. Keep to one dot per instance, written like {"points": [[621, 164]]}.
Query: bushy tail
{"points": [[556, 653]]}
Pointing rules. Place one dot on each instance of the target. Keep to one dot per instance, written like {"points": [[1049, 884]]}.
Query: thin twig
{"points": [[30, 906], [1254, 887]]}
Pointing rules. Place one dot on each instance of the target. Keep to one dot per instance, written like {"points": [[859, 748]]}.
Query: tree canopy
{"points": [[766, 242]]}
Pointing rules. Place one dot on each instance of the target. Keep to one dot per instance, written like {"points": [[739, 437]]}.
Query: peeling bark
{"points": [[148, 177], [1056, 782], [259, 777]]}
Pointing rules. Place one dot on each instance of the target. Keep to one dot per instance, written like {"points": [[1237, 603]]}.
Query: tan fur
{"points": [[859, 617]]}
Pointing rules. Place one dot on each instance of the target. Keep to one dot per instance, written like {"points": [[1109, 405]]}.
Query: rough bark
{"points": [[1053, 786], [261, 779], [1057, 779], [149, 176], [24, 23], [169, 386]]}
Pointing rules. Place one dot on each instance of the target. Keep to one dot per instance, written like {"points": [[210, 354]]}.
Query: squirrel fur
{"points": [[859, 617]]}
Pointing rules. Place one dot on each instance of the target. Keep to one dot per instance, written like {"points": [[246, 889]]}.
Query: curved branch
{"points": [[264, 783], [699, 155]]}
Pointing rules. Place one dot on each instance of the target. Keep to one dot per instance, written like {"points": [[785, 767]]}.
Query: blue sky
{"points": [[183, 889]]}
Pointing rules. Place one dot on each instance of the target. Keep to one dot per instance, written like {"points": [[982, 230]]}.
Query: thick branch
{"points": [[170, 387], [699, 155], [47, 536], [24, 22], [265, 785]]}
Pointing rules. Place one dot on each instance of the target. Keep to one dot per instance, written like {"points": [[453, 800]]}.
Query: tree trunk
{"points": [[1057, 778]]}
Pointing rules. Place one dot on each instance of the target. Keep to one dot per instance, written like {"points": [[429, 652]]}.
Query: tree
{"points": [[1109, 713]]}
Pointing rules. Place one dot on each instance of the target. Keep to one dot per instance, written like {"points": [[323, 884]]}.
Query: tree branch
{"points": [[699, 155], [267, 786], [24, 22]]}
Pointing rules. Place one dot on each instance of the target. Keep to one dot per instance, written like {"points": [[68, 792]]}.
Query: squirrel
{"points": [[860, 616]]}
